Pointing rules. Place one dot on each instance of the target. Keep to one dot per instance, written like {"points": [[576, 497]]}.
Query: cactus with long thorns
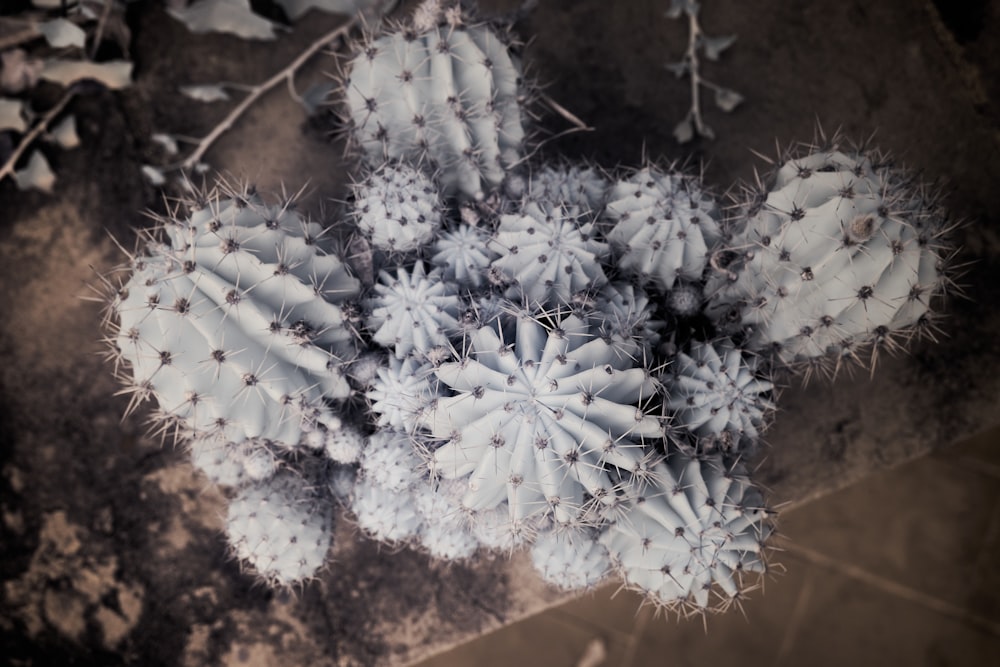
{"points": [[443, 93], [230, 320], [840, 253]]}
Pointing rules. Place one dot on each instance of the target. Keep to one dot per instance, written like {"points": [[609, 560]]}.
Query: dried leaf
{"points": [[714, 46], [229, 16], [12, 115], [296, 9], [38, 174], [706, 131], [727, 99], [684, 131], [205, 92], [153, 175], [680, 68], [115, 74], [65, 134], [61, 33], [18, 72], [168, 142]]}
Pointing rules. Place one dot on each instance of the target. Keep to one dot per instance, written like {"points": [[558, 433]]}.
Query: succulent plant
{"points": [[401, 392], [397, 208], [282, 527], [719, 394], [414, 312], [664, 227], [699, 531], [463, 256], [233, 322], [570, 559], [547, 255], [582, 187], [535, 421], [443, 93], [842, 253]]}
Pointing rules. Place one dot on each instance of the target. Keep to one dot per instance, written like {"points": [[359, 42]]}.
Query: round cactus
{"points": [[842, 253], [570, 559], [382, 513], [664, 227], [233, 325], [233, 463], [397, 208], [547, 255], [445, 530], [282, 527], [534, 421], [441, 94], [463, 256], [413, 312], [717, 393], [582, 187], [401, 391], [702, 526], [390, 462]]}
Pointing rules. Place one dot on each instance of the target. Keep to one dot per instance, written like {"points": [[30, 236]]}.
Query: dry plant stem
{"points": [[8, 167], [255, 92], [101, 23], [18, 38], [694, 30], [566, 113]]}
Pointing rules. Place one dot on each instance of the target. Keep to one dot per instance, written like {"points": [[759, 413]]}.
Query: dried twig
{"points": [[8, 167], [255, 92]]}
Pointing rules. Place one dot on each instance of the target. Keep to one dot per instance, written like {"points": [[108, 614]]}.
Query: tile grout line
{"points": [[795, 621], [895, 589]]}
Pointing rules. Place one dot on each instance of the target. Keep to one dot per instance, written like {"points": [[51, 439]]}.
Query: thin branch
{"points": [[257, 91], [566, 113], [22, 36], [8, 167], [101, 24], [694, 31]]}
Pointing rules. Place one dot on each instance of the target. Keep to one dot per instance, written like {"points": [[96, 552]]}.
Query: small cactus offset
{"points": [[397, 207], [717, 393], [283, 527], [442, 93], [665, 227], [840, 254]]}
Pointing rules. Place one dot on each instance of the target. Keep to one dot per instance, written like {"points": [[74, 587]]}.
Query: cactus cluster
{"points": [[547, 356]]}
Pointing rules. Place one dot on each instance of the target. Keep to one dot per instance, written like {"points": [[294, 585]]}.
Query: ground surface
{"points": [[110, 550]]}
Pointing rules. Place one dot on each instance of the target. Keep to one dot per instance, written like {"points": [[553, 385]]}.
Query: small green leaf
{"points": [[37, 174], [680, 68], [714, 46], [727, 99]]}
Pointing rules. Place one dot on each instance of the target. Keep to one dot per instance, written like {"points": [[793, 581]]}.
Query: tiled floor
{"points": [[901, 569]]}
